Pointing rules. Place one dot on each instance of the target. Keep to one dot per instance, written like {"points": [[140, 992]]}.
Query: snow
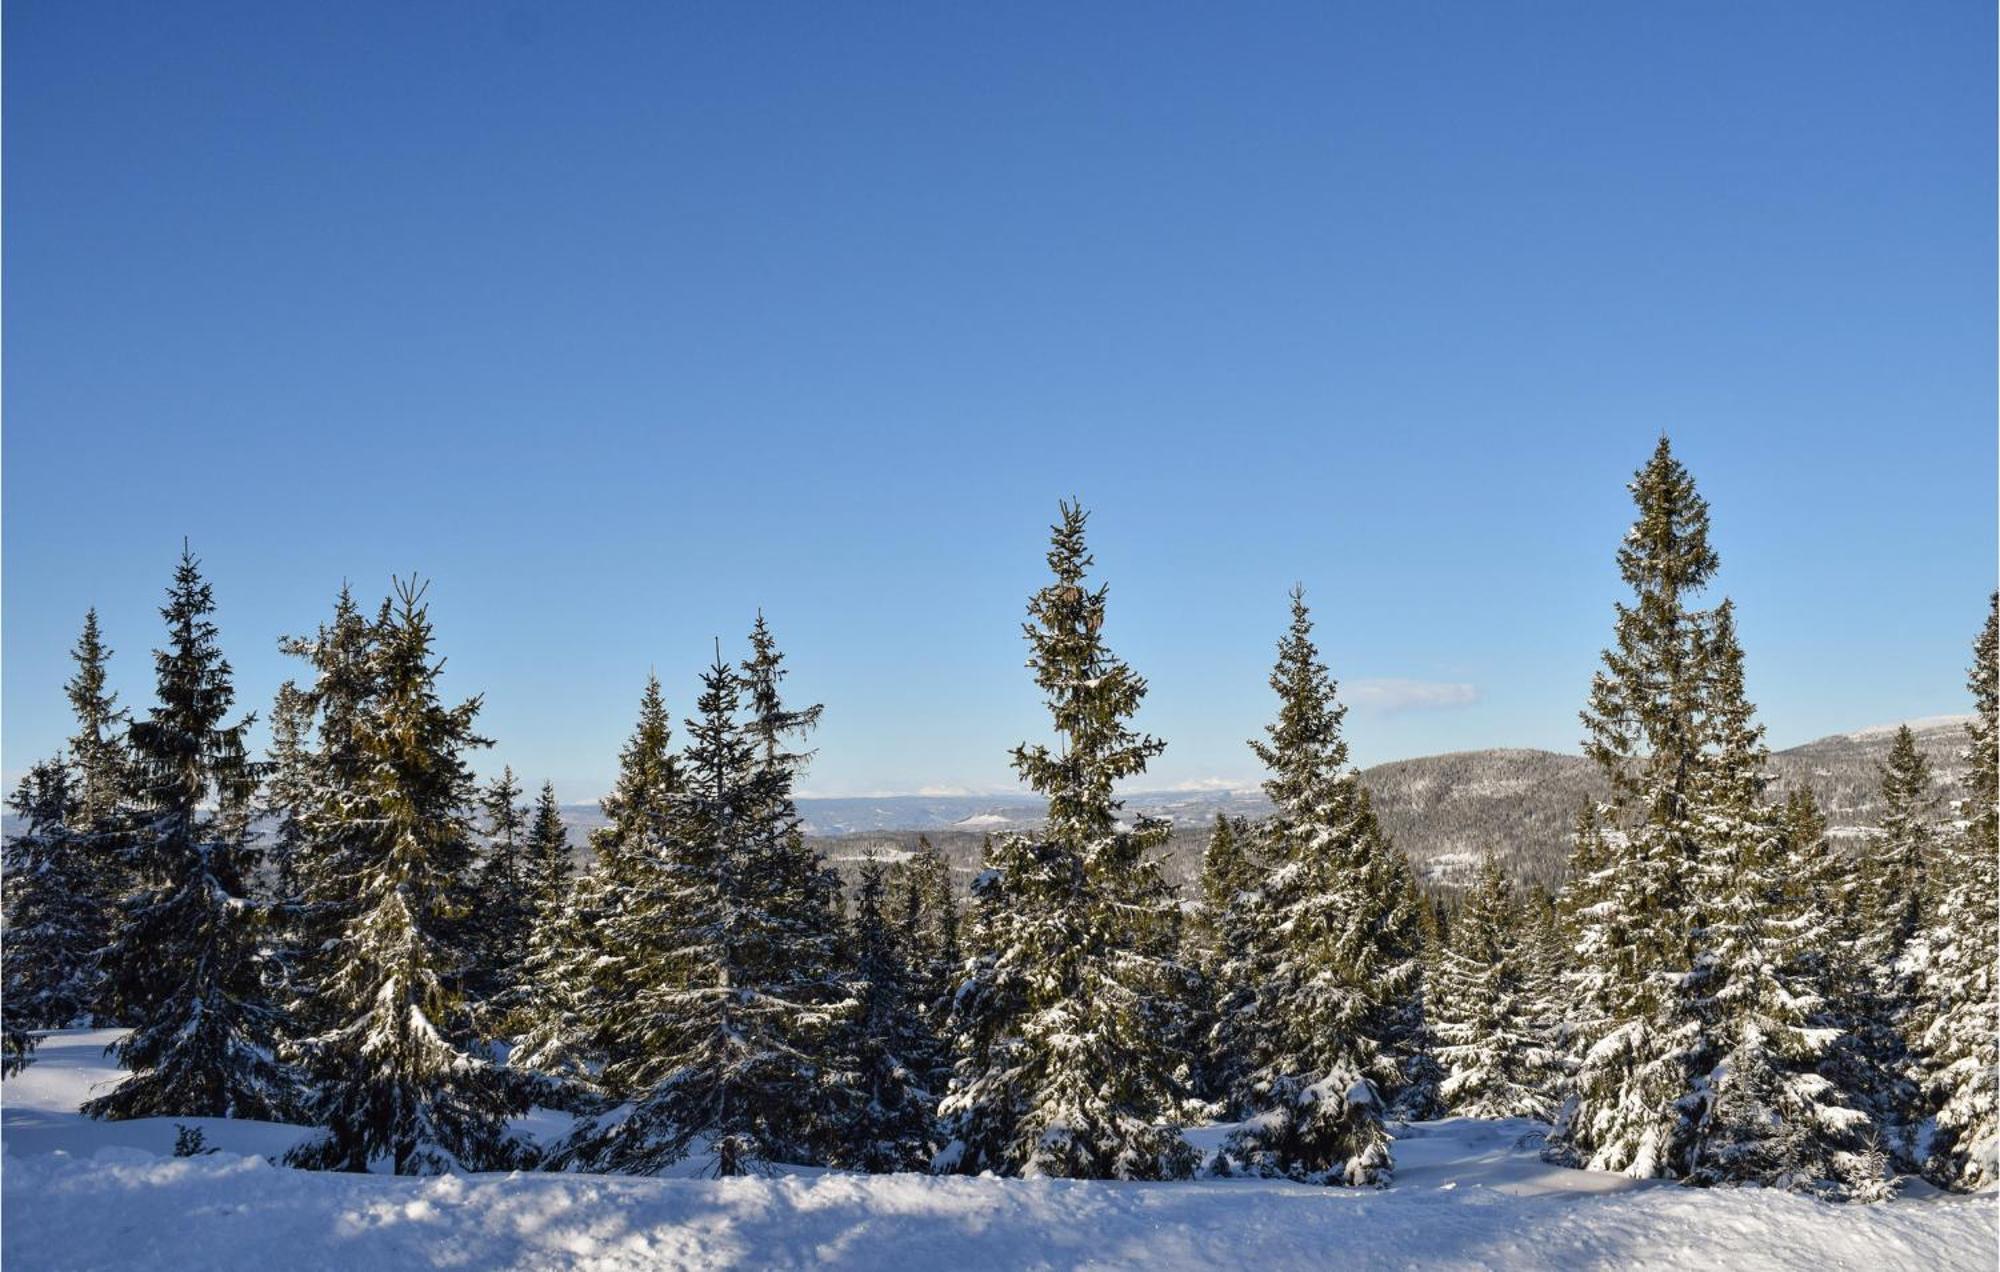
{"points": [[1468, 1194], [1926, 724]]}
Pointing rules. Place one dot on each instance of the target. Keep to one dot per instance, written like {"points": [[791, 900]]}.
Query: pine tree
{"points": [[1761, 1110], [1644, 729], [1957, 1026], [187, 965], [397, 1085], [1068, 1066], [1335, 972], [887, 1123], [1488, 1022], [55, 926]]}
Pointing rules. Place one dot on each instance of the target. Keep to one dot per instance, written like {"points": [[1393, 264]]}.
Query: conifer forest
{"points": [[353, 934]]}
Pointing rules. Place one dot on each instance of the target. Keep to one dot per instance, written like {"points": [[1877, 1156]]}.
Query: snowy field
{"points": [[79, 1194]]}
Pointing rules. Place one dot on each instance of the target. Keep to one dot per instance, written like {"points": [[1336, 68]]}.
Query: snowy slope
{"points": [[1467, 1195]]}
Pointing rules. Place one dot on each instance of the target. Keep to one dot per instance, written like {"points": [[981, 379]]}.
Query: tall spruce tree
{"points": [[1318, 1064], [101, 762], [398, 1086], [1488, 1023], [1638, 1042], [55, 925], [188, 966], [1956, 1028], [1069, 1063]]}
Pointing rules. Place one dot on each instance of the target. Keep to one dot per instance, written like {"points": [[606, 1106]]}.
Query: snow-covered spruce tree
{"points": [[559, 1041], [397, 1086], [1226, 942], [1546, 955], [316, 794], [984, 1104], [187, 964], [101, 763], [1760, 1110], [1593, 945], [1488, 1024], [55, 925], [1869, 1059], [802, 901], [1636, 1039], [636, 837], [719, 1048], [929, 926], [288, 786], [887, 1121], [1069, 1066], [1898, 855], [503, 909], [1317, 1063], [1956, 1029]]}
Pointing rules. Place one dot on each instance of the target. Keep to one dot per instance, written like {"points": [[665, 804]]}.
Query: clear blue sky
{"points": [[621, 321]]}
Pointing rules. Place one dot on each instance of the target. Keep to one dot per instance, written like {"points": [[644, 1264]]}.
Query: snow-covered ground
{"points": [[79, 1194]]}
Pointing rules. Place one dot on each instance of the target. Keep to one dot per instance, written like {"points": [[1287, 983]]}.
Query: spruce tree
{"points": [[1068, 1066], [930, 940], [720, 1046], [1760, 1109], [1336, 971], [887, 1121], [1227, 941], [316, 792], [55, 926], [398, 1086], [503, 913], [1956, 1030], [547, 866], [1643, 726], [558, 1039], [101, 762], [635, 839], [188, 966], [1488, 1023], [1899, 855]]}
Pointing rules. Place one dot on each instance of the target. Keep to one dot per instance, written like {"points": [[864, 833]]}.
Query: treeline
{"points": [[409, 960]]}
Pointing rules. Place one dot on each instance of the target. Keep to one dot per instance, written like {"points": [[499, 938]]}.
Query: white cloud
{"points": [[1392, 695]]}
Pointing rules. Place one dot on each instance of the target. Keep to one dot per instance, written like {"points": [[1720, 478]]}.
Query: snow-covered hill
{"points": [[83, 1195]]}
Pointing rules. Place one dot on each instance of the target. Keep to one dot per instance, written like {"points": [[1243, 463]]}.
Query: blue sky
{"points": [[620, 322]]}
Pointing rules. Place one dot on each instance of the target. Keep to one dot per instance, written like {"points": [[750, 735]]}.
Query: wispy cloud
{"points": [[1392, 695]]}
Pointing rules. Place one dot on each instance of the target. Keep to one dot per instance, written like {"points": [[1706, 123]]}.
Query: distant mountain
{"points": [[1445, 811]]}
